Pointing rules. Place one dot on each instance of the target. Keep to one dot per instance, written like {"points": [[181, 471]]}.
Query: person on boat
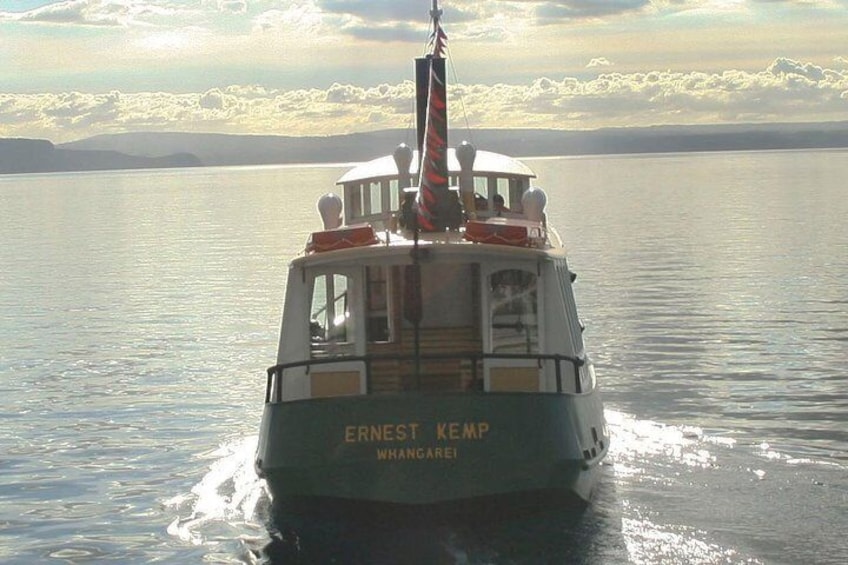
{"points": [[500, 208], [454, 219], [407, 210]]}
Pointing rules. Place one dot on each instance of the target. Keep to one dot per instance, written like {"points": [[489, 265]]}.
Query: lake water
{"points": [[139, 310]]}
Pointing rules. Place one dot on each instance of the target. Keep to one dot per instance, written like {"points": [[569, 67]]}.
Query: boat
{"points": [[430, 352]]}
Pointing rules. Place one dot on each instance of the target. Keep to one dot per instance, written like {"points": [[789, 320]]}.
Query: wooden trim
{"points": [[514, 379], [334, 383]]}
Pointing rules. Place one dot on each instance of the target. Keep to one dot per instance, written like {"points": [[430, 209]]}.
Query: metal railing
{"points": [[274, 389]]}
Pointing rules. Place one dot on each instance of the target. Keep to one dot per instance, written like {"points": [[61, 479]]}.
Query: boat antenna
{"points": [[458, 93]]}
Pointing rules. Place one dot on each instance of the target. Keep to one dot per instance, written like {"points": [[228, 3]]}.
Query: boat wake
{"points": [[228, 506]]}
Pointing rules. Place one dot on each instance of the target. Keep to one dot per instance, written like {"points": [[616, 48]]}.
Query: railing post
{"points": [[558, 361], [367, 360], [577, 385]]}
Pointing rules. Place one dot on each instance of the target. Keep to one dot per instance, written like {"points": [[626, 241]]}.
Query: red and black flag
{"points": [[433, 194]]}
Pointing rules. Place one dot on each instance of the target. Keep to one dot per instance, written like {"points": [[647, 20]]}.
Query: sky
{"points": [[70, 69]]}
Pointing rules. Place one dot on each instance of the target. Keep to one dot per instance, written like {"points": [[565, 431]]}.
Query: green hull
{"points": [[422, 449]]}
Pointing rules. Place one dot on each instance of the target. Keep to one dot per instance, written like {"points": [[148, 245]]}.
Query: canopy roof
{"points": [[486, 163]]}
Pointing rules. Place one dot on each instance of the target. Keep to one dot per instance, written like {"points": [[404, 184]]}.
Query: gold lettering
{"points": [[381, 433], [415, 453], [455, 431], [408, 431], [483, 428]]}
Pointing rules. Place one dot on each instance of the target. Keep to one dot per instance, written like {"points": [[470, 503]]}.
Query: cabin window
{"points": [[375, 193], [378, 327], [394, 195], [353, 205], [503, 190], [516, 191], [513, 308], [481, 185], [330, 320]]}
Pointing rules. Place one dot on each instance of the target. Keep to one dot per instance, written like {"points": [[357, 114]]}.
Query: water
{"points": [[138, 311]]}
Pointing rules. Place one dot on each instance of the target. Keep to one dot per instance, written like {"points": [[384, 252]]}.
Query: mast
{"points": [[434, 201], [422, 71]]}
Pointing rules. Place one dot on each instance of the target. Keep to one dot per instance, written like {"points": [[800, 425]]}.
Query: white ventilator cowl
{"points": [[330, 208], [533, 203]]}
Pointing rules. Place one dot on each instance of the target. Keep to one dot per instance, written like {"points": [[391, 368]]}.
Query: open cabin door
{"points": [[335, 327], [512, 318]]}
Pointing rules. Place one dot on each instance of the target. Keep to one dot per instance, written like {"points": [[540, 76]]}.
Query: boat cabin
{"points": [[374, 192]]}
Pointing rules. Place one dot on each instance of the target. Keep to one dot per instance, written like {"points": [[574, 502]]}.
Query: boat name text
{"points": [[411, 431], [415, 453]]}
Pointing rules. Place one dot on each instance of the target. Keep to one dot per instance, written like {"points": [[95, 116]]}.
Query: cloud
{"points": [[376, 10], [787, 90], [386, 33], [297, 18], [74, 110], [106, 13], [598, 62], [129, 13], [212, 99], [556, 11], [376, 20], [233, 6], [783, 67], [801, 3], [79, 12], [393, 20]]}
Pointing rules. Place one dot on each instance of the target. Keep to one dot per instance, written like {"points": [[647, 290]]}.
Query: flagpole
{"points": [[435, 13]]}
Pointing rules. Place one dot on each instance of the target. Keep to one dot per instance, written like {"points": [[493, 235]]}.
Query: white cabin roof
{"points": [[485, 163]]}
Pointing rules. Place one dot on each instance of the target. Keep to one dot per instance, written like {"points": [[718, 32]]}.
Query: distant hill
{"points": [[222, 149], [40, 156], [162, 149], [225, 149]]}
